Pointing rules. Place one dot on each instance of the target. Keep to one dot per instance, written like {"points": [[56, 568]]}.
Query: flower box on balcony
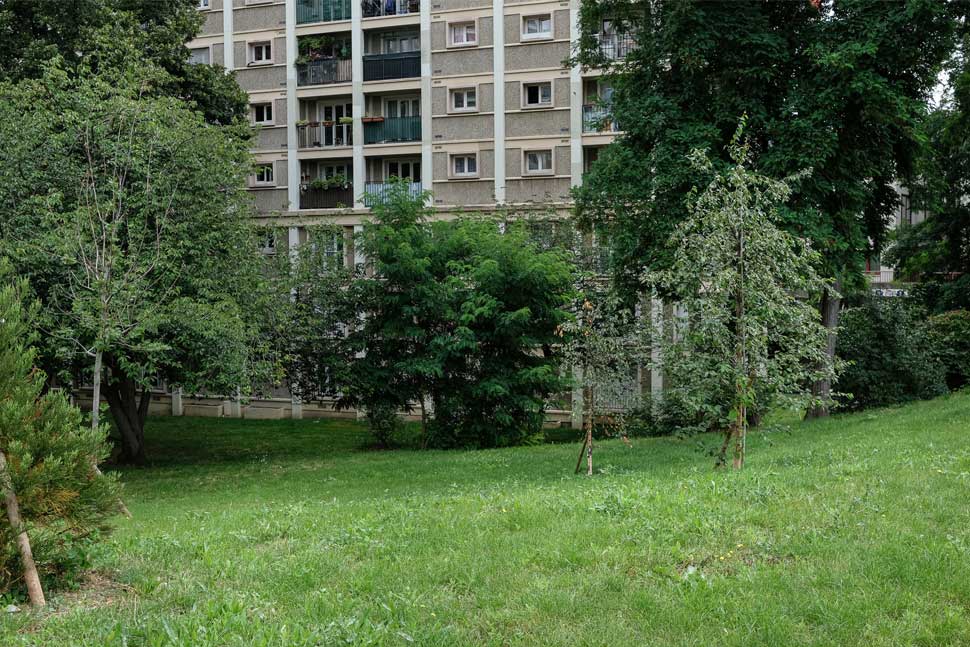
{"points": [[327, 124], [372, 120]]}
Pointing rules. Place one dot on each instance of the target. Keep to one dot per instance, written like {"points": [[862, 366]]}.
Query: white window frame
{"points": [[203, 5], [545, 35], [272, 113], [552, 161], [532, 106], [463, 93], [452, 160], [452, 26], [272, 174], [252, 47]]}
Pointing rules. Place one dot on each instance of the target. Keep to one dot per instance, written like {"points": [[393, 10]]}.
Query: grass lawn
{"points": [[850, 531]]}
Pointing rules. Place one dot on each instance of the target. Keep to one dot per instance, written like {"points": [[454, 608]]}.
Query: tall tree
{"points": [[836, 86], [748, 342], [129, 214], [99, 33], [937, 250]]}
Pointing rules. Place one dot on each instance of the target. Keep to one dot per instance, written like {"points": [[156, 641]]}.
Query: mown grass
{"points": [[850, 531]]}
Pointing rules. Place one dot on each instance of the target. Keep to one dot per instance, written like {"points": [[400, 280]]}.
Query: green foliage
{"points": [[461, 317], [839, 90], [130, 214], [745, 342], [949, 333], [106, 34], [51, 456], [315, 299], [890, 356]]}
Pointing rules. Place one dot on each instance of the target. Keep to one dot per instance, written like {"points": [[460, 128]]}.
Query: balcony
{"points": [[598, 119], [325, 134], [328, 70], [375, 8], [387, 130], [341, 197], [615, 47], [376, 192], [404, 65], [322, 10]]}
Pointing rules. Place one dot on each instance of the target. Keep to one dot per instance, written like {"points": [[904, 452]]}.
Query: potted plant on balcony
{"points": [[372, 120], [346, 120]]}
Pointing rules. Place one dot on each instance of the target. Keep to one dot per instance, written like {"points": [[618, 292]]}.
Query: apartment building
{"points": [[469, 99]]}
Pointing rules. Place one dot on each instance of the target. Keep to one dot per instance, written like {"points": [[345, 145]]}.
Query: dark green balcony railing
{"points": [[329, 70], [332, 198], [392, 129], [322, 10], [404, 65]]}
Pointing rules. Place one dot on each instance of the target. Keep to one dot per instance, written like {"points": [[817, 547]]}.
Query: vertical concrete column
{"points": [[292, 110], [656, 321], [228, 45], [177, 409], [357, 90], [498, 72], [576, 410], [296, 407], [575, 104], [426, 165]]}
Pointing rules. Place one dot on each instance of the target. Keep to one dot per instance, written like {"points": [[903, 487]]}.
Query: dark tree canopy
{"points": [[33, 33], [838, 89], [937, 250]]}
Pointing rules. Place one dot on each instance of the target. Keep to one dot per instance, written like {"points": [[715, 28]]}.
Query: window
{"points": [[264, 174], [464, 165], [538, 162], [537, 26], [463, 33], [203, 4], [400, 42], [537, 95], [199, 56], [261, 52], [263, 113], [464, 100]]}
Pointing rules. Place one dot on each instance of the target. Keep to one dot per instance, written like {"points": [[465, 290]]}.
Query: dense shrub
{"points": [[51, 455], [889, 353], [950, 334]]}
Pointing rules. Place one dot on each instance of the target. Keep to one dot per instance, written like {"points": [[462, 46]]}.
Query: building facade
{"points": [[468, 99]]}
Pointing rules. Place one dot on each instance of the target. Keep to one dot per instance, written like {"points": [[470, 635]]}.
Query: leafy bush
{"points": [[460, 315], [950, 335], [891, 358], [51, 456]]}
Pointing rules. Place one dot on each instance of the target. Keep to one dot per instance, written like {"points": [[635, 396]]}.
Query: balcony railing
{"points": [[392, 129], [375, 192], [322, 10], [329, 70], [616, 46], [598, 119], [325, 134], [332, 198], [373, 8], [404, 65]]}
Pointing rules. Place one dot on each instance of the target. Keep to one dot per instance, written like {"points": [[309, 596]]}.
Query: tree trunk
{"points": [[589, 431], [96, 392], [34, 590], [829, 306], [126, 410]]}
